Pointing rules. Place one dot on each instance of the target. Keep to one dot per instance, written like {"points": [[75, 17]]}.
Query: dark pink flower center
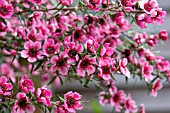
{"points": [[50, 50], [22, 103], [60, 62], [32, 52], [114, 30], [32, 37], [92, 2], [116, 98], [37, 1], [105, 70], [70, 102], [85, 63], [3, 10], [77, 34], [72, 53]]}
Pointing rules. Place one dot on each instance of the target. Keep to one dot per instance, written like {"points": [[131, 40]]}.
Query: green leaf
{"points": [[61, 80], [100, 47], [60, 97], [61, 48], [21, 6], [52, 80], [39, 65], [14, 85], [51, 2], [3, 20]]}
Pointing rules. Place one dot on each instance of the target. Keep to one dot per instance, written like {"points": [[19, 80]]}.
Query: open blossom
{"points": [[106, 50], [156, 86], [147, 71], [5, 86], [49, 47], [26, 84], [60, 64], [32, 51], [152, 40], [22, 104], [66, 2], [72, 101], [85, 65], [148, 5], [130, 105], [6, 10], [38, 1], [73, 51], [122, 66], [128, 4], [93, 4], [118, 98], [104, 68], [44, 95]]}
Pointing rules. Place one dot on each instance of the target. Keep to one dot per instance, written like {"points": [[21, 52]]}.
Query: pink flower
{"points": [[148, 5], [158, 15], [60, 64], [118, 98], [122, 67], [43, 95], [38, 1], [73, 51], [106, 51], [32, 51], [66, 2], [72, 101], [147, 71], [26, 84], [78, 35], [155, 87], [114, 31], [22, 104], [85, 65], [130, 105], [5, 86], [162, 65], [94, 4], [127, 4], [153, 40], [6, 10], [49, 47], [163, 34], [104, 68], [142, 108]]}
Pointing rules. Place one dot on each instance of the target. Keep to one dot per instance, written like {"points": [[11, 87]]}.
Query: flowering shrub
{"points": [[93, 41]]}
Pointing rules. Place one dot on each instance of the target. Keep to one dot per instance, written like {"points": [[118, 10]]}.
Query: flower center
{"points": [[85, 63], [72, 53], [37, 1], [70, 102], [106, 70], [116, 98], [77, 34], [50, 50], [22, 103], [60, 62], [3, 10], [33, 52]]}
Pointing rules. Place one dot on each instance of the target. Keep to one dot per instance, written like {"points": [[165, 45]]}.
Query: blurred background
{"points": [[137, 89]]}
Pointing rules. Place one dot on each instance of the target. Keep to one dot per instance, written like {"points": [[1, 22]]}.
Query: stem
{"points": [[76, 8]]}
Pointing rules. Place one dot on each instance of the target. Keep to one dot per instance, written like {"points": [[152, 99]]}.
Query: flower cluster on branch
{"points": [[93, 41]]}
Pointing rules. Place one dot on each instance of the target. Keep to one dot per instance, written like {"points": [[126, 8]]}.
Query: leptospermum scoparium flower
{"points": [[44, 95], [92, 42], [22, 104], [32, 51], [6, 10], [5, 86], [72, 101]]}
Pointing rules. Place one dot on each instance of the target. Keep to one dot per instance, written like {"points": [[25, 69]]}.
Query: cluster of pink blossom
{"points": [[86, 42]]}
